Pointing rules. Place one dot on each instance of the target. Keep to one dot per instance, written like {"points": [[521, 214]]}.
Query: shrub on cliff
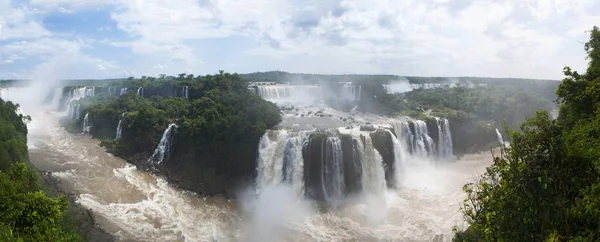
{"points": [[26, 213]]}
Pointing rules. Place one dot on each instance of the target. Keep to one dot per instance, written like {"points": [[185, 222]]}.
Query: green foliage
{"points": [[546, 186], [26, 213]]}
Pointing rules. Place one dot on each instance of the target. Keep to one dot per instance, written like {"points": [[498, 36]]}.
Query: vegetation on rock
{"points": [[26, 212]]}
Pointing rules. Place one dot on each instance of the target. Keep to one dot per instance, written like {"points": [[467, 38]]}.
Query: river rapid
{"points": [[138, 206]]}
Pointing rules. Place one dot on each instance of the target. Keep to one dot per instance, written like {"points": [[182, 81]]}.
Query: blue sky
{"points": [[57, 39]]}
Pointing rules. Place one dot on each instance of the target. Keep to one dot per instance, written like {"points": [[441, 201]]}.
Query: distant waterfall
{"points": [[270, 92], [75, 94], [119, 127], [123, 91], [163, 149], [140, 92], [74, 111], [359, 92], [445, 137], [500, 138], [90, 91], [86, 126], [416, 139], [112, 90], [58, 92], [280, 159], [185, 92]]}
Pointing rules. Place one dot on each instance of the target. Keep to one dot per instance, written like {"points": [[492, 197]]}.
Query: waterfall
{"points": [[373, 174], [140, 92], [58, 92], [90, 91], [359, 92], [500, 138], [123, 91], [270, 92], [424, 145], [74, 111], [332, 173], [86, 126], [415, 139], [119, 127], [445, 138], [164, 146], [399, 157], [185, 92], [280, 159]]}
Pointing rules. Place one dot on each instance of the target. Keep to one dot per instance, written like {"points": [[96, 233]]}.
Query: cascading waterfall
{"points": [[56, 98], [74, 111], [424, 143], [140, 92], [332, 173], [119, 127], [185, 92], [445, 138], [500, 138], [399, 156], [338, 164], [163, 149], [373, 175], [90, 91], [86, 124], [415, 139], [280, 159], [123, 91], [270, 92]]}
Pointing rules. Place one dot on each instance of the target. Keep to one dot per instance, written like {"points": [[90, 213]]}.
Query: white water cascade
{"points": [[140, 92], [280, 160], [332, 175], [86, 126], [423, 143], [112, 90], [373, 176], [123, 91], [500, 138], [75, 94], [444, 138], [164, 146], [119, 127], [185, 91]]}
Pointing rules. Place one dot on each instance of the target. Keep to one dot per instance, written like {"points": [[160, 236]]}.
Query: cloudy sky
{"points": [[44, 39]]}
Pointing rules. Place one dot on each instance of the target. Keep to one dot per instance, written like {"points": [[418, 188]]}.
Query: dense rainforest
{"points": [[219, 124], [546, 185], [26, 212]]}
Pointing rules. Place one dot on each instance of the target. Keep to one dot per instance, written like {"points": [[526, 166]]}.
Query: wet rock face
{"points": [[312, 154], [352, 165], [367, 127], [382, 142]]}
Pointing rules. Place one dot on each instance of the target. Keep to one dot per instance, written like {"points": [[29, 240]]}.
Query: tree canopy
{"points": [[546, 185]]}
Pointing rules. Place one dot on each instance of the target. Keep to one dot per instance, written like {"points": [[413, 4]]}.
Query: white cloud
{"points": [[527, 38]]}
